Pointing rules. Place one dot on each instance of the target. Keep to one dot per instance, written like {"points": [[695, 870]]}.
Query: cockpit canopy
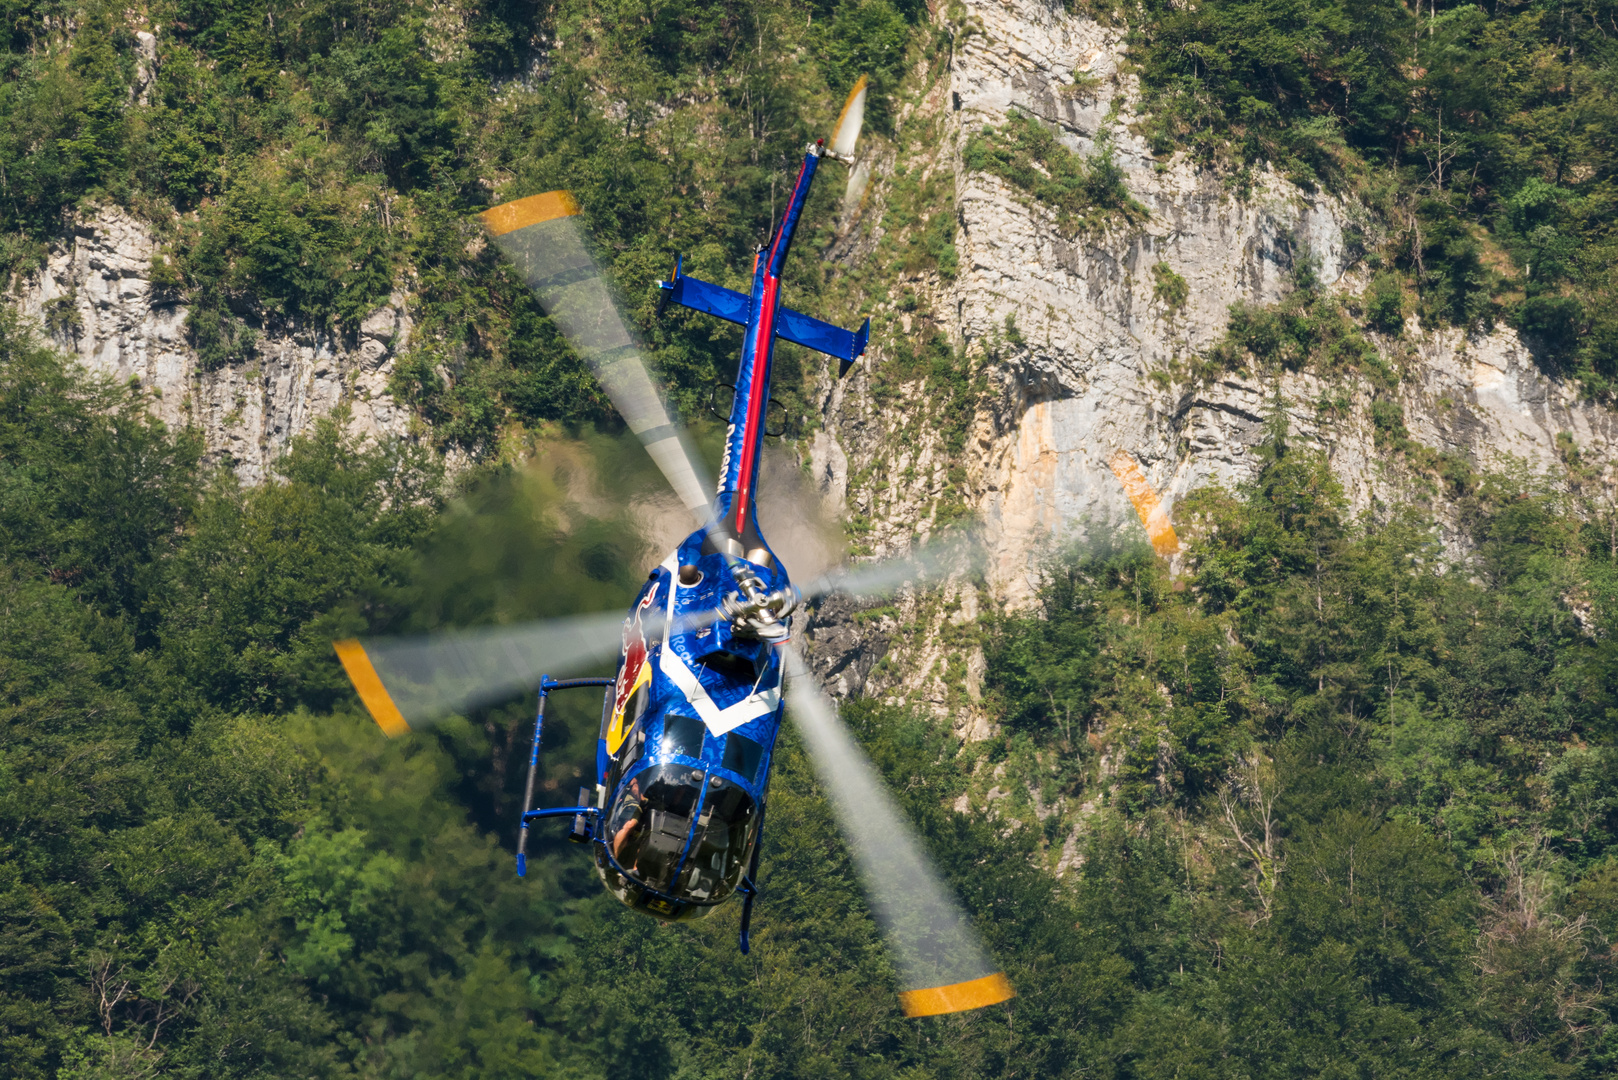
{"points": [[679, 831]]}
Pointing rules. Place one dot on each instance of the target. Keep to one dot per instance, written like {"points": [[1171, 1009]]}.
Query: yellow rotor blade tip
{"points": [[511, 216], [849, 121], [859, 85], [957, 997], [368, 684]]}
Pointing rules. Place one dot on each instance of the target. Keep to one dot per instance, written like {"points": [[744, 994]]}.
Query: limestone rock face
{"points": [[1085, 406], [96, 300], [1083, 421], [1095, 376]]}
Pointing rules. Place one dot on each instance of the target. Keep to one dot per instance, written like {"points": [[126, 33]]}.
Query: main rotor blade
{"points": [[886, 575], [412, 682], [943, 965], [543, 237]]}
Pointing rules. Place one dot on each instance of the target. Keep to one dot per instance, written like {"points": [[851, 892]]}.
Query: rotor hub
{"points": [[755, 612]]}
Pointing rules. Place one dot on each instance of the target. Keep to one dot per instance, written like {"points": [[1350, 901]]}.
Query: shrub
{"points": [[1385, 304], [1170, 288], [1083, 192]]}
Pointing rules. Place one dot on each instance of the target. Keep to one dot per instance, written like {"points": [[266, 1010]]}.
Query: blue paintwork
{"points": [[667, 700], [590, 812], [766, 320], [715, 300], [793, 326], [718, 580], [737, 693], [805, 330]]}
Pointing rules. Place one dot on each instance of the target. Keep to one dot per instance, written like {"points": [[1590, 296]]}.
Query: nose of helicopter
{"points": [[676, 838]]}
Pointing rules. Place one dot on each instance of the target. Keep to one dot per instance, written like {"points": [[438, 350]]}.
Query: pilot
{"points": [[631, 807]]}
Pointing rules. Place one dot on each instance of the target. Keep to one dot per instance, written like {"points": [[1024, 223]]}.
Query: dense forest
{"points": [[1349, 800], [1362, 816]]}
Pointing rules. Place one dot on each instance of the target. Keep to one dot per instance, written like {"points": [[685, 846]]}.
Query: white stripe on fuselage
{"points": [[717, 720]]}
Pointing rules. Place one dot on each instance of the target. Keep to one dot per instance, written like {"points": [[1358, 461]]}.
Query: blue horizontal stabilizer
{"points": [[801, 329], [715, 300], [793, 326]]}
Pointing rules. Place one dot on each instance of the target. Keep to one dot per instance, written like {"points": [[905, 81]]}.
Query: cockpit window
{"points": [[628, 754], [720, 846], [651, 821], [682, 735], [730, 666], [662, 811], [742, 756]]}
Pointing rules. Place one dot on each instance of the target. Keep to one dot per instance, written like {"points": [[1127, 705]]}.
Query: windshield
{"points": [[719, 848], [651, 821], [675, 829]]}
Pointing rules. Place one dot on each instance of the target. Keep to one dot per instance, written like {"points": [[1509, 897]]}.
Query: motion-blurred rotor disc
{"points": [[943, 965], [407, 682], [887, 575], [543, 238], [410, 682], [413, 682]]}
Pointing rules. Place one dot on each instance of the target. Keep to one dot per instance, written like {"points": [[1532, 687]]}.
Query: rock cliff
{"points": [[1084, 420], [96, 299], [1074, 415]]}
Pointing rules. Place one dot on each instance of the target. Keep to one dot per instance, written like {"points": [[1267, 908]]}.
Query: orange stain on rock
{"points": [[1152, 513]]}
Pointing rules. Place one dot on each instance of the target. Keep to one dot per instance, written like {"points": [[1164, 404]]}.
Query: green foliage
{"points": [[321, 161], [1313, 331], [1342, 805], [199, 878], [868, 37], [1384, 304], [1490, 124], [1085, 193], [1046, 666], [1170, 289], [916, 225], [1307, 331], [61, 317], [939, 244], [250, 611], [1285, 81], [1330, 804], [1388, 892], [1399, 782], [92, 488]]}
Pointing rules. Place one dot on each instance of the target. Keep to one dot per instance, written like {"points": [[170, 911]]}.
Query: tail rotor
{"points": [[844, 139], [849, 122]]}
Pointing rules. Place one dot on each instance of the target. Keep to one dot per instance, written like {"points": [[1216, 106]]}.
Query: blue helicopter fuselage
{"points": [[689, 727]]}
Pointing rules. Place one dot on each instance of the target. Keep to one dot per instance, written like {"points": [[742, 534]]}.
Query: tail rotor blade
{"points": [[942, 963], [845, 138], [850, 121], [544, 239]]}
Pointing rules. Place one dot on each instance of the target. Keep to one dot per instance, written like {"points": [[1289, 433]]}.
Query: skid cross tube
{"points": [[590, 812], [546, 685]]}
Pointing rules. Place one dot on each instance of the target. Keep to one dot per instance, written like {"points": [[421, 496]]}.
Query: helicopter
{"points": [[706, 665]]}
